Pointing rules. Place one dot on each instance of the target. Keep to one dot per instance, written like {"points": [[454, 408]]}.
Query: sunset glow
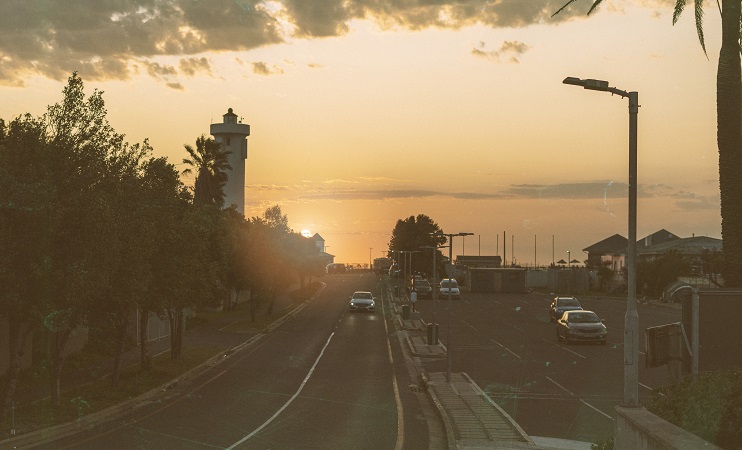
{"points": [[365, 114]]}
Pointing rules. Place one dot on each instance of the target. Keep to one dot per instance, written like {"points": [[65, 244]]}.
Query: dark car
{"points": [[423, 289], [581, 325], [362, 301], [335, 268], [562, 304]]}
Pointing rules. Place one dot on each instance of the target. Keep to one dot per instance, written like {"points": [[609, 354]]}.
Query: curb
{"points": [[527, 439], [450, 436]]}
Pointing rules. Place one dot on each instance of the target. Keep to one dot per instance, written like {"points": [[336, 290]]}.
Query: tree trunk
{"points": [[59, 342], [17, 336], [122, 326], [175, 317], [729, 139], [145, 362]]}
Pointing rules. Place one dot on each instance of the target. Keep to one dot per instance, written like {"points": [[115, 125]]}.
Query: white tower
{"points": [[233, 137]]}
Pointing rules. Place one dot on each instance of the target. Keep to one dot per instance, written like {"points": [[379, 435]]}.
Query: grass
{"points": [[99, 395]]}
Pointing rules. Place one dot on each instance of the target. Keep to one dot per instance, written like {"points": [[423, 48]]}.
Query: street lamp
{"points": [[369, 258], [631, 320], [450, 275], [434, 333], [568, 259]]}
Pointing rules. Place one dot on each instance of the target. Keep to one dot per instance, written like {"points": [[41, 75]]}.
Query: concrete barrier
{"points": [[639, 429]]}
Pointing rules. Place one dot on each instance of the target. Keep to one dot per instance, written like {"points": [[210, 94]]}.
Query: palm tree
{"points": [[729, 125], [211, 162]]}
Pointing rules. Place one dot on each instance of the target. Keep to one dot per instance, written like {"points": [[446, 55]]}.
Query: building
{"points": [[321, 247], [478, 261], [232, 134]]}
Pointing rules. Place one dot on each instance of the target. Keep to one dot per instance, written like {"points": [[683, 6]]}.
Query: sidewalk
{"points": [[471, 419]]}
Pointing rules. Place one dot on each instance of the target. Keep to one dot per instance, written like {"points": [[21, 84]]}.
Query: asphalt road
{"points": [[507, 344], [325, 378]]}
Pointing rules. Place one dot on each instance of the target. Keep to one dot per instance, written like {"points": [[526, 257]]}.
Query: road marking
{"points": [[645, 386], [397, 399], [470, 325], [565, 349], [293, 397], [595, 409], [505, 348], [561, 387]]}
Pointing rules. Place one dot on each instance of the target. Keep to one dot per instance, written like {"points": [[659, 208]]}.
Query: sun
{"points": [[306, 233]]}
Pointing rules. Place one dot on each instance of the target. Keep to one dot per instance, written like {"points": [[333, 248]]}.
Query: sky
{"points": [[365, 112]]}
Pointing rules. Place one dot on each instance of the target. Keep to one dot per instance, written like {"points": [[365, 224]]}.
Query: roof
{"points": [[685, 246], [613, 244], [656, 238], [317, 237]]}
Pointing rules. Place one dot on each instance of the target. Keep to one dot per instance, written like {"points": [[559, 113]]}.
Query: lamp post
{"points": [[631, 320], [369, 258], [450, 275], [435, 297], [568, 259]]}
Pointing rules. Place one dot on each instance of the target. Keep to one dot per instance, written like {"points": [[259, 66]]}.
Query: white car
{"points": [[362, 301], [449, 285]]}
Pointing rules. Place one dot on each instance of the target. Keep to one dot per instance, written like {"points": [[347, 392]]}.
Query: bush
{"points": [[710, 408], [305, 293]]}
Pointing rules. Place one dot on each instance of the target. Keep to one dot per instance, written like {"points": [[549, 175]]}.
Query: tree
{"points": [[414, 233], [729, 125], [211, 162]]}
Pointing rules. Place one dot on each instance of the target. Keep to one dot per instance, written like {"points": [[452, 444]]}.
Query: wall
{"points": [[638, 429]]}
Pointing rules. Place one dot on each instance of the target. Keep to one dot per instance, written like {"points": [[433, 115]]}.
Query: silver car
{"points": [[362, 301], [562, 304], [581, 325]]}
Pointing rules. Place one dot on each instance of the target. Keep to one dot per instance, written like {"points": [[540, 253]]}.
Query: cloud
{"points": [[193, 66], [508, 52], [108, 39], [262, 68]]}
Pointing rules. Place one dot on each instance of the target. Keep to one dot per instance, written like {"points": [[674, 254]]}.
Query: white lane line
{"points": [[293, 397], [562, 387], [645, 386], [565, 349], [397, 398], [507, 349], [595, 409], [470, 325]]}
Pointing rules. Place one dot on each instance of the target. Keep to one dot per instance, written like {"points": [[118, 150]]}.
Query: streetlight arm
{"points": [[594, 85]]}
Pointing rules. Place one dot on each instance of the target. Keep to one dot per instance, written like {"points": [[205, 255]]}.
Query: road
{"points": [[507, 344], [325, 378]]}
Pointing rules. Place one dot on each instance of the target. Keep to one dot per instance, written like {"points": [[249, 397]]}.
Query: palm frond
{"points": [[679, 7], [595, 5], [699, 24], [563, 7]]}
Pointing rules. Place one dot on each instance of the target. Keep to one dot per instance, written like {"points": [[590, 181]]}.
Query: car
{"points": [[449, 285], [335, 268], [411, 282], [423, 289], [362, 301], [562, 304], [581, 325], [394, 270]]}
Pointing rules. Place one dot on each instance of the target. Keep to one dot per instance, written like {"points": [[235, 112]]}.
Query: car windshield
{"points": [[583, 317], [567, 302], [422, 283], [449, 283], [362, 296]]}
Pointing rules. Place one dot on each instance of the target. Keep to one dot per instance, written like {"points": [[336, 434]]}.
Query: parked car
{"points": [[423, 289], [362, 301], [335, 268], [562, 304], [449, 285], [411, 282], [394, 270], [581, 325]]}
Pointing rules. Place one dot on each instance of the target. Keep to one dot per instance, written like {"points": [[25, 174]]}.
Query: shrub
{"points": [[710, 408]]}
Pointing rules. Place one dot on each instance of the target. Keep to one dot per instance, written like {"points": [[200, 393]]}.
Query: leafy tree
{"points": [[412, 234], [729, 125], [23, 206], [211, 162], [652, 276]]}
